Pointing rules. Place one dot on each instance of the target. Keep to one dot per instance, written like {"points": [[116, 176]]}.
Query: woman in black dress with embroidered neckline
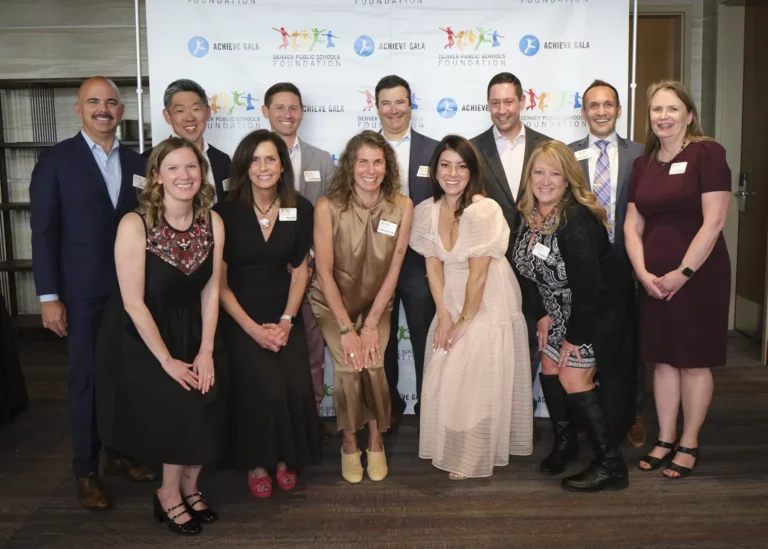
{"points": [[160, 377]]}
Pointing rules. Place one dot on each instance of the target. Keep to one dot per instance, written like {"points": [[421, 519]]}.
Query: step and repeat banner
{"points": [[336, 50]]}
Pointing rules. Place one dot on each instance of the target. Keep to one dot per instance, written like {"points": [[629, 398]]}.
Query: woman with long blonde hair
{"points": [[678, 201], [567, 271], [161, 380]]}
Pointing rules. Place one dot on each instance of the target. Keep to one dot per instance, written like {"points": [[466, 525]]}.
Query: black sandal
{"points": [[207, 515], [681, 471], [655, 462]]}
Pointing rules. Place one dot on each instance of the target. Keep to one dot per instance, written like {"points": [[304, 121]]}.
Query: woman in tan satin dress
{"points": [[361, 235]]}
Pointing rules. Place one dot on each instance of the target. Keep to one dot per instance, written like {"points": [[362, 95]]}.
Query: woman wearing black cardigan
{"points": [[570, 281]]}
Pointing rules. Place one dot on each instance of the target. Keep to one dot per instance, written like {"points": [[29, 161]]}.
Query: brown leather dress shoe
{"points": [[637, 435], [91, 493], [124, 467]]}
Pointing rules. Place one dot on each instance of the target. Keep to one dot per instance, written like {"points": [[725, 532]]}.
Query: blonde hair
{"points": [[560, 157], [151, 202], [693, 133]]}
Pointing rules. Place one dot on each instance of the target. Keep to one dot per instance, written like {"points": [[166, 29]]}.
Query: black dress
{"points": [[13, 390], [141, 410], [273, 415]]}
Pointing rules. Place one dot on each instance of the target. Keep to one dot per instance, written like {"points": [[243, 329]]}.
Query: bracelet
{"points": [[374, 331], [346, 329], [464, 318]]}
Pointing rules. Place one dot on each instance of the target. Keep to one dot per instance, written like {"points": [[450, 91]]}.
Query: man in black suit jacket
{"points": [[80, 190], [414, 150], [505, 149], [187, 111], [621, 378]]}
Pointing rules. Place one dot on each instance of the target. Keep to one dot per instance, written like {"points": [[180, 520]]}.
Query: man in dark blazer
{"points": [[187, 111], [414, 150], [622, 379], [313, 170], [505, 149], [80, 190]]}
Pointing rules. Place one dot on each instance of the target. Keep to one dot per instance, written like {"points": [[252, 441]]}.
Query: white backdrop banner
{"points": [[336, 50]]}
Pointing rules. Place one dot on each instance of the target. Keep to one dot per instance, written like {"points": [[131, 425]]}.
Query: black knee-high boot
{"points": [[608, 469], [566, 445]]}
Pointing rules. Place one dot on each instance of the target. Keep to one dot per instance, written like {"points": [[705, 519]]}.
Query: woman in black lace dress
{"points": [[161, 380], [568, 275]]}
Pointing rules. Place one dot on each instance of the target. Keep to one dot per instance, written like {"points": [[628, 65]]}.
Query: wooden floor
{"points": [[724, 504]]}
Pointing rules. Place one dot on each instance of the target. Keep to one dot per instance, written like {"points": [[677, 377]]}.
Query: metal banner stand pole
{"points": [[139, 87]]}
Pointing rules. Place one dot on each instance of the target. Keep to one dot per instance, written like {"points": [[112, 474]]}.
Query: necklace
{"points": [[454, 222], [663, 163], [264, 221]]}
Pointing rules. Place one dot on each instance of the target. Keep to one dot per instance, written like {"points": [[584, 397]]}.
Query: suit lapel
{"points": [[413, 162], [531, 142], [623, 163], [491, 154], [126, 178], [93, 168], [305, 161], [581, 145]]}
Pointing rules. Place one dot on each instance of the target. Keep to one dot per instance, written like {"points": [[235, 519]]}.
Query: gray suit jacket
{"points": [[629, 151], [314, 160], [495, 179]]}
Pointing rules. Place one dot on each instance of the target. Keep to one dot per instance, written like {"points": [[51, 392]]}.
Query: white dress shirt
{"points": [[296, 164], [613, 159], [512, 155], [403, 152]]}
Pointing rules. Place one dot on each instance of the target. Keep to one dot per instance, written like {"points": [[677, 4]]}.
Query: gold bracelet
{"points": [[346, 329], [464, 318]]}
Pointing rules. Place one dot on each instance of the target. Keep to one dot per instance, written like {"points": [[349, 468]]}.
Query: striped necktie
{"points": [[602, 183]]}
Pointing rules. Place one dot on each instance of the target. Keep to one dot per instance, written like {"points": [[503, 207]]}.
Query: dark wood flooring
{"points": [[724, 504]]}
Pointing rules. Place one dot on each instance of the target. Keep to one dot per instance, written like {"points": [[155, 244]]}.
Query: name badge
{"points": [[139, 182], [225, 185], [287, 214], [388, 228], [584, 154], [540, 251], [433, 235], [677, 167], [311, 175], [423, 171]]}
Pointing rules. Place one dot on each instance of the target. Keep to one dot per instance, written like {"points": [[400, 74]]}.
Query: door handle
{"points": [[743, 194]]}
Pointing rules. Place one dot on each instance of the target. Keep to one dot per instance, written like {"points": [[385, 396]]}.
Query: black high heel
{"points": [[208, 515], [190, 528], [681, 471], [655, 462]]}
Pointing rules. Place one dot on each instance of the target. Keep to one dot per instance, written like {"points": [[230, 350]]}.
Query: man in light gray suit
{"points": [[313, 171], [607, 160]]}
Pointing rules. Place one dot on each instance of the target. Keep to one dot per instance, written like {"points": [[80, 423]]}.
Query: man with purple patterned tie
{"points": [[607, 161]]}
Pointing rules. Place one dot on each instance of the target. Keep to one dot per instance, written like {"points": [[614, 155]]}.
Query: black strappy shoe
{"points": [[190, 528], [207, 515], [679, 469], [655, 462]]}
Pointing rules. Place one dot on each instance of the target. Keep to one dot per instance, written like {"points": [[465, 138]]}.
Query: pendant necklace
{"points": [[264, 221]]}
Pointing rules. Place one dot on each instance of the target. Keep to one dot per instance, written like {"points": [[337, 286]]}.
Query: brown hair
{"points": [[240, 181], [151, 199], [560, 157], [343, 183], [468, 154], [693, 133]]}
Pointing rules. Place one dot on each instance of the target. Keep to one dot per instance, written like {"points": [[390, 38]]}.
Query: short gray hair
{"points": [[183, 85]]}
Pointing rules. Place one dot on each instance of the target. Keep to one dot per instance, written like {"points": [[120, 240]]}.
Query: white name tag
{"points": [[388, 228], [423, 171], [139, 182], [433, 235], [311, 176], [540, 251], [677, 167], [287, 214], [584, 154], [225, 185]]}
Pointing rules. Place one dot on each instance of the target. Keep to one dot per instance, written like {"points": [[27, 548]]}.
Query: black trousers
{"points": [[83, 323], [413, 292]]}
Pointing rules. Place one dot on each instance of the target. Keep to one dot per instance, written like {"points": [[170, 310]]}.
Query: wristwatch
{"points": [[687, 272], [289, 318]]}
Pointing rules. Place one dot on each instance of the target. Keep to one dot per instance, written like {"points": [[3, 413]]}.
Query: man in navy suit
{"points": [[187, 111], [622, 378], [505, 149], [80, 190], [414, 150]]}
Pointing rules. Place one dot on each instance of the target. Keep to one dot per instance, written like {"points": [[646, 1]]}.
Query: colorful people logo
{"points": [[368, 100], [529, 45], [228, 101], [414, 99], [560, 99], [197, 46], [466, 38], [304, 39]]}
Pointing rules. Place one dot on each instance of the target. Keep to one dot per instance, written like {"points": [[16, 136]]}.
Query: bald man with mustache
{"points": [[80, 190]]}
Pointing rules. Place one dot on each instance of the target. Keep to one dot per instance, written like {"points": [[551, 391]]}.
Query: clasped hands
{"points": [[664, 287], [447, 333], [271, 336], [363, 350]]}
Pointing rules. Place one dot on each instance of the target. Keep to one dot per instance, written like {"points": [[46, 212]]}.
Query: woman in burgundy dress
{"points": [[678, 199]]}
